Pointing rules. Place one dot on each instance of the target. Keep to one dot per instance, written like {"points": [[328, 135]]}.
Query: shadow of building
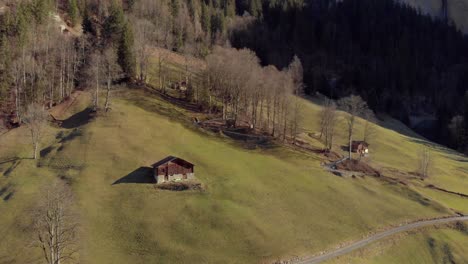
{"points": [[141, 175]]}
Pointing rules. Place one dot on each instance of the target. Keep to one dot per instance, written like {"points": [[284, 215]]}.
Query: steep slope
{"points": [[259, 205], [441, 245]]}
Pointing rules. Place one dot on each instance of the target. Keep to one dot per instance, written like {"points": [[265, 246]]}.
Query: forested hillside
{"points": [[457, 10], [400, 61], [113, 42], [179, 131]]}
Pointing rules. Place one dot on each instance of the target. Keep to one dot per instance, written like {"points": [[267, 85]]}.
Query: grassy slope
{"points": [[257, 205], [392, 149], [260, 204], [428, 246]]}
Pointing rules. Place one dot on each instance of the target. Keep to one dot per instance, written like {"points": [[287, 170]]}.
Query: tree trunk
{"points": [[224, 109], [35, 146], [96, 101], [350, 139], [285, 121], [109, 80], [160, 72], [17, 102]]}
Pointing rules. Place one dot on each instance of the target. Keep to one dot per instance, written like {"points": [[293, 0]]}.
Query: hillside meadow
{"points": [[431, 245], [258, 205]]}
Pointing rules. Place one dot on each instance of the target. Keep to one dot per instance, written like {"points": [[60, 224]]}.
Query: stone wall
{"points": [[175, 177]]}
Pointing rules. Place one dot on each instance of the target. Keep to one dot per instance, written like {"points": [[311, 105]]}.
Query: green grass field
{"points": [[259, 205], [441, 245]]}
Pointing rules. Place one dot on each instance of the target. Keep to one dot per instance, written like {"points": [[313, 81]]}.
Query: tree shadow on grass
{"points": [[78, 119], [8, 192], [45, 151], [141, 175], [9, 160], [8, 196], [3, 190], [72, 135], [13, 166]]}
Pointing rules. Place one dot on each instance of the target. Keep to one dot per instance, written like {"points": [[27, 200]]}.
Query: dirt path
{"points": [[364, 242]]}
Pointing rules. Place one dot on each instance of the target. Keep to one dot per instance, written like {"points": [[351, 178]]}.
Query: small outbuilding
{"points": [[360, 147], [173, 169]]}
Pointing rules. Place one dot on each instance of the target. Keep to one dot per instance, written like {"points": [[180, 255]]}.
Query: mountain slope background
{"points": [[457, 10], [258, 205], [401, 61]]}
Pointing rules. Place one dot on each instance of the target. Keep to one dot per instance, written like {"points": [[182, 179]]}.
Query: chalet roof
{"points": [[169, 159], [357, 142]]}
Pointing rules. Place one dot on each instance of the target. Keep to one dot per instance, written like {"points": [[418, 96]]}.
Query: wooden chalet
{"points": [[173, 169], [360, 147]]}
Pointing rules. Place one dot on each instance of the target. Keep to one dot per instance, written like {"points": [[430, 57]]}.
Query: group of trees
{"points": [[355, 107], [261, 96], [40, 66], [397, 59], [38, 63], [189, 26]]}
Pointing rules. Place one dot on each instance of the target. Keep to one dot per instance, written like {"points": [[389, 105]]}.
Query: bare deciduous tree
{"points": [[144, 34], [355, 107], [424, 162], [94, 75], [55, 224], [234, 81], [112, 69], [297, 74], [327, 120], [369, 131], [36, 119]]}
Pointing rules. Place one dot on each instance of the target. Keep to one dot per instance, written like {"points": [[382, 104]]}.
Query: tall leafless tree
{"points": [[424, 162], [354, 106], [55, 224], [112, 70], [144, 35], [297, 74], [369, 130], [327, 122], [36, 119], [94, 75]]}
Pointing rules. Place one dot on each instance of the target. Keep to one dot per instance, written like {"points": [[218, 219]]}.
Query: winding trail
{"points": [[373, 238]]}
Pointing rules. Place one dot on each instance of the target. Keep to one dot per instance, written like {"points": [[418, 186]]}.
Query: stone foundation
{"points": [[175, 177]]}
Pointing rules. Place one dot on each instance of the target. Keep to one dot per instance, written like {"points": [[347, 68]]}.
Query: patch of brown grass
{"points": [[357, 166]]}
